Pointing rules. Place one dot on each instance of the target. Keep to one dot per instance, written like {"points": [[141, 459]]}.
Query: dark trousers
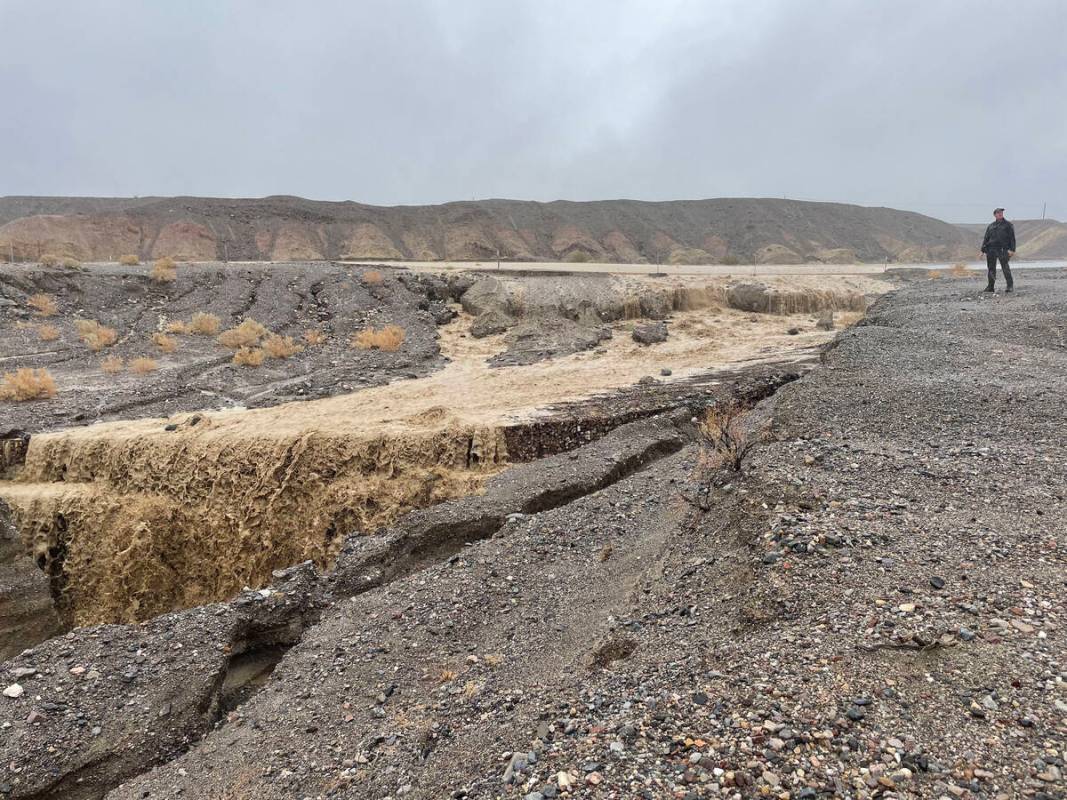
{"points": [[991, 266]]}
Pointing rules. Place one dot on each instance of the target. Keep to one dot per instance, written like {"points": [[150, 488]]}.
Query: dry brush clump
{"points": [[249, 356], [47, 333], [247, 334], [277, 346], [44, 304], [49, 260], [168, 344], [95, 335], [70, 263], [314, 337], [373, 278], [112, 365], [724, 437], [959, 270], [27, 384], [129, 260], [142, 365], [164, 270], [204, 324], [177, 327], [388, 338]]}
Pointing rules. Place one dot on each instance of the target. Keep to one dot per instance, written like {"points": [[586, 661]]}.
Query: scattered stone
{"points": [[14, 691]]}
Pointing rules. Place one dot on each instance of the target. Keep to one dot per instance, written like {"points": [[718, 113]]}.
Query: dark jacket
{"points": [[1000, 235]]}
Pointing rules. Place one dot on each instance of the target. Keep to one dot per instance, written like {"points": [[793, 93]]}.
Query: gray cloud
{"points": [[943, 107]]}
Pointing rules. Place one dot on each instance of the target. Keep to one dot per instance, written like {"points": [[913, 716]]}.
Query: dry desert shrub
{"points": [[177, 327], [43, 304], [314, 337], [388, 339], [934, 274], [372, 277], [247, 334], [203, 324], [959, 270], [277, 346], [578, 257], [249, 356], [112, 365], [168, 344], [447, 675], [142, 365], [27, 384], [70, 263], [47, 333], [725, 440], [129, 260], [49, 260], [164, 270], [95, 335]]}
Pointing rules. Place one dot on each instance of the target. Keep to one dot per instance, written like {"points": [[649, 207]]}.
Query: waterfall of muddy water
{"points": [[131, 519]]}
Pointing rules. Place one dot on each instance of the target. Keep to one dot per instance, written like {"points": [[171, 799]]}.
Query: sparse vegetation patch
{"points": [[49, 260], [142, 365], [129, 260], [247, 334], [47, 333], [95, 335], [277, 346], [726, 442], [388, 338], [112, 365], [27, 384], [314, 337], [203, 324], [373, 277], [249, 356], [164, 270], [168, 344], [43, 304]]}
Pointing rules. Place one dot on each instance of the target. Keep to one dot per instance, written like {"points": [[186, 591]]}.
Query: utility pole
{"points": [[1044, 205]]}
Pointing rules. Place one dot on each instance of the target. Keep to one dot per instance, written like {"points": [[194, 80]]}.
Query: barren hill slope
{"points": [[288, 228]]}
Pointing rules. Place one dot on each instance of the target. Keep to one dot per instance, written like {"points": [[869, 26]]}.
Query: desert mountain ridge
{"points": [[286, 228]]}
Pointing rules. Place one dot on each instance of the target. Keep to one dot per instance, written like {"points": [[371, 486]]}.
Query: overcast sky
{"points": [[947, 107]]}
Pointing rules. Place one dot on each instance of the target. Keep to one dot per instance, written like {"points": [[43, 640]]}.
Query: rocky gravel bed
{"points": [[872, 607]]}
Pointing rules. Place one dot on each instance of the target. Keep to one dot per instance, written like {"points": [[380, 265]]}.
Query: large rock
{"points": [[650, 334], [27, 615], [484, 295], [656, 305], [490, 323], [749, 297]]}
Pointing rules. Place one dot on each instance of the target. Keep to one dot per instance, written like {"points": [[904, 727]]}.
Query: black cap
{"points": [[995, 210]]}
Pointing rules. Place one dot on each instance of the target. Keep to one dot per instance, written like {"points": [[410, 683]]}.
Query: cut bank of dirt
{"points": [[137, 517]]}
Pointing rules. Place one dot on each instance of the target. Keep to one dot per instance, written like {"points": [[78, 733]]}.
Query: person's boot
{"points": [[989, 288], [1010, 289]]}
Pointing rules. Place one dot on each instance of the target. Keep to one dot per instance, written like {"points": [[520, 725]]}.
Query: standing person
{"points": [[999, 242]]}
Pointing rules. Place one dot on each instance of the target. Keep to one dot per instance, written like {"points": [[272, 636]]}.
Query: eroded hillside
{"points": [[727, 230]]}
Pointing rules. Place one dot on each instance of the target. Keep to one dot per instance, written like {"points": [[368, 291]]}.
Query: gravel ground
{"points": [[872, 607]]}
